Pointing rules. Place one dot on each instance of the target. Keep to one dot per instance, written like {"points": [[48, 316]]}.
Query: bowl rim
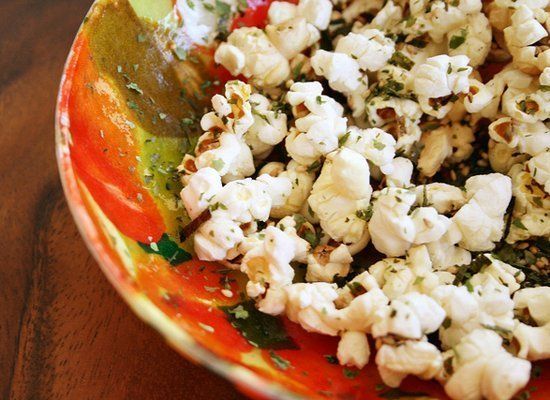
{"points": [[175, 336]]}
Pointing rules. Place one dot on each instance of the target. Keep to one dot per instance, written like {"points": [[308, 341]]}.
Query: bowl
{"points": [[128, 110]]}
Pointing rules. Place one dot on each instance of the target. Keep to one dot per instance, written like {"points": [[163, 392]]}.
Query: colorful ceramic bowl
{"points": [[127, 113]]}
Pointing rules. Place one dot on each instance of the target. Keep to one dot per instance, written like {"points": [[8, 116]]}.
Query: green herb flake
{"points": [[314, 166], [168, 249], [518, 224], [239, 312], [243, 4], [134, 86], [350, 373], [218, 164], [217, 206], [187, 122], [501, 331], [419, 280], [378, 145], [223, 9], [458, 40], [356, 289], [401, 60], [312, 238], [180, 53], [132, 105], [365, 214], [263, 330], [343, 139], [279, 361], [331, 359], [297, 70]]}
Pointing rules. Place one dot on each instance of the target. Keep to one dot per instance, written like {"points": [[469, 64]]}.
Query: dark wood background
{"points": [[64, 332]]}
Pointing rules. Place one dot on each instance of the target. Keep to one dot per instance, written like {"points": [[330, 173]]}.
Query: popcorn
{"points": [[472, 39], [534, 302], [421, 359], [353, 349], [439, 77], [312, 306], [301, 184], [502, 157], [269, 127], [529, 138], [200, 24], [243, 201], [532, 4], [369, 47], [408, 316], [232, 112], [279, 188], [248, 51], [525, 29], [328, 261], [280, 12], [539, 167], [268, 264], [216, 238], [374, 144], [533, 341], [391, 229], [402, 169], [481, 219], [437, 148], [319, 123], [442, 18], [389, 16], [397, 277], [441, 196], [341, 71], [530, 207], [226, 153], [429, 225], [292, 36], [488, 305], [317, 12], [445, 253], [202, 186], [526, 107], [500, 272], [340, 193], [481, 368], [479, 96]]}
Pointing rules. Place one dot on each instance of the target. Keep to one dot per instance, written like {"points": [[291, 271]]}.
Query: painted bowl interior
{"points": [[127, 113]]}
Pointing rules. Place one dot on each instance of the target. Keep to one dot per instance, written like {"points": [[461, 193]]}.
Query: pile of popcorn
{"points": [[371, 102]]}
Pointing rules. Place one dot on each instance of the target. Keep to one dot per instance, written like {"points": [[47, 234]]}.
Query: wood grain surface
{"points": [[64, 332]]}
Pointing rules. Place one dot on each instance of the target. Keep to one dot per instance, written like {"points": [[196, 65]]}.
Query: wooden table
{"points": [[64, 332]]}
